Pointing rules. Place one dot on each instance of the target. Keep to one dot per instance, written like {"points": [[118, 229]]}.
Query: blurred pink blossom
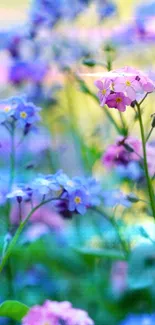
{"points": [[54, 313], [119, 277], [44, 215], [118, 153]]}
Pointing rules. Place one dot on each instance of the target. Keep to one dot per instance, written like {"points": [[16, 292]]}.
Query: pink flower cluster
{"points": [[56, 313], [119, 88], [122, 152], [126, 150]]}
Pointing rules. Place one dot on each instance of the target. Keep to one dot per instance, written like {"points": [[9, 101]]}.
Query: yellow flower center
{"points": [[118, 100], [77, 200], [70, 183], [23, 114], [104, 91], [7, 108], [128, 83]]}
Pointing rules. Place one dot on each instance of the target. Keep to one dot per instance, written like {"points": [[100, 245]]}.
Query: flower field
{"points": [[77, 162]]}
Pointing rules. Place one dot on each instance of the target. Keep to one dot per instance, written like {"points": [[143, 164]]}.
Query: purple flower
{"points": [[104, 90], [124, 86], [128, 85], [78, 201], [122, 152], [22, 71], [118, 101], [55, 313]]}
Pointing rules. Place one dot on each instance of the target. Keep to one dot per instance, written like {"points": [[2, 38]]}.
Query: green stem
{"points": [[121, 239], [149, 134], [18, 232], [124, 127], [107, 112], [109, 115], [148, 180], [117, 230], [12, 158], [140, 103]]}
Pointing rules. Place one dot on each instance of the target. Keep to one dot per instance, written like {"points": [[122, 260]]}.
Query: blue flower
{"points": [[26, 114], [144, 319], [145, 10], [106, 9], [63, 180], [17, 192], [16, 109], [45, 184], [115, 197], [49, 12], [78, 201], [8, 107], [21, 71], [131, 171]]}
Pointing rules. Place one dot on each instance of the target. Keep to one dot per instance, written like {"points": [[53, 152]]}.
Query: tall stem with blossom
{"points": [[148, 180]]}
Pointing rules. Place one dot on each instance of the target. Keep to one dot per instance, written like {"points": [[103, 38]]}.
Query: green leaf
{"points": [[101, 253], [141, 273], [13, 309]]}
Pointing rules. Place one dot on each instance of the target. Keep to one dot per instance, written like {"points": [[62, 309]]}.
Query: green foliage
{"points": [[13, 309], [112, 254], [142, 267]]}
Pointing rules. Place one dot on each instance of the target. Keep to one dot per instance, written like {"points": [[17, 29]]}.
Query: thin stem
{"points": [[149, 134], [121, 239], [18, 232], [140, 103], [113, 222], [12, 157], [9, 271], [148, 180], [20, 212], [124, 127], [107, 112]]}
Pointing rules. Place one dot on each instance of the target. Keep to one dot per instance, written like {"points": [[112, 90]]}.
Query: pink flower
{"points": [[119, 277], [128, 85], [118, 154], [104, 90], [45, 215], [56, 313], [146, 84], [38, 315], [150, 149], [122, 86], [118, 101]]}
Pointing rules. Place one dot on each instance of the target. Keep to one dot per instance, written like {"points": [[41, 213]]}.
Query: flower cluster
{"points": [[119, 88], [16, 110], [69, 194], [56, 313], [139, 319], [50, 12]]}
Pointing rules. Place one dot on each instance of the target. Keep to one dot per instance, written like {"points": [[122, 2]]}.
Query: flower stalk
{"points": [[148, 180]]}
